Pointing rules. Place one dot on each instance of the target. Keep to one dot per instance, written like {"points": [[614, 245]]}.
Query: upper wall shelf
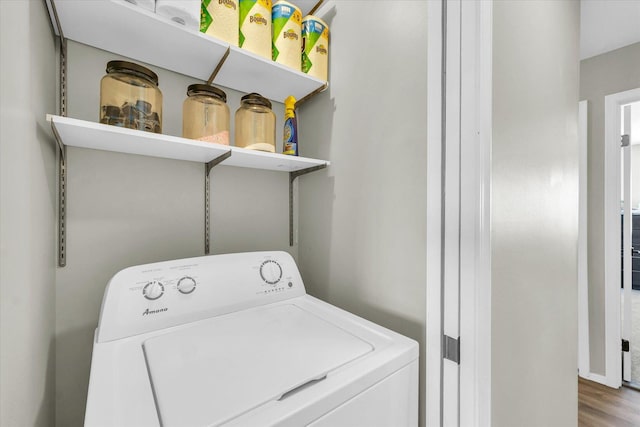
{"points": [[128, 30], [96, 136]]}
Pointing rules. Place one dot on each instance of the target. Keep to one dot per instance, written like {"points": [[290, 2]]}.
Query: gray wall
{"points": [[27, 212], [601, 75], [125, 210], [534, 213], [363, 221]]}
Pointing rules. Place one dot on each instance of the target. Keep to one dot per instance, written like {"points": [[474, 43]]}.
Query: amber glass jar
{"points": [[130, 97], [255, 124], [205, 115]]}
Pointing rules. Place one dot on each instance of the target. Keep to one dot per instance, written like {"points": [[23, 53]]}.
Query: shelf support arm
{"points": [[316, 7], [307, 97], [61, 146], [219, 66], [292, 177], [62, 198], [207, 197]]}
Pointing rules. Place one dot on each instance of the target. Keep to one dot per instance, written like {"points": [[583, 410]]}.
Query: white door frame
{"points": [[474, 256], [452, 207], [475, 236], [433, 359], [584, 364], [627, 244], [612, 266]]}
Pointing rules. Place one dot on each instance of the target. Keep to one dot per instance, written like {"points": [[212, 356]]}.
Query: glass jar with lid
{"points": [[255, 125], [205, 114], [130, 97]]}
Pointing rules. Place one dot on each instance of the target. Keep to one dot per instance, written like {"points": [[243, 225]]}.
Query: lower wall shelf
{"points": [[97, 136]]}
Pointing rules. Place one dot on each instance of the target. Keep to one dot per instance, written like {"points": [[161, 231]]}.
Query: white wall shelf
{"points": [[128, 30], [131, 31], [97, 136]]}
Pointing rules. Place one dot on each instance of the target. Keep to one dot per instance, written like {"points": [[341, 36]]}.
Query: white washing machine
{"points": [[235, 340]]}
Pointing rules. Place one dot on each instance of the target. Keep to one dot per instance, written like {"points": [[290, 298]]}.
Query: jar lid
{"points": [[208, 89], [130, 66], [256, 98]]}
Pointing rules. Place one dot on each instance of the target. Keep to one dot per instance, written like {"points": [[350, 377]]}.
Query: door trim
{"points": [[475, 257], [432, 374], [627, 244], [475, 233], [584, 364], [612, 265]]}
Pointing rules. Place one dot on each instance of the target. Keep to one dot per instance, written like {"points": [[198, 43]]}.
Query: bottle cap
{"points": [[290, 103], [125, 66], [200, 89], [256, 98]]}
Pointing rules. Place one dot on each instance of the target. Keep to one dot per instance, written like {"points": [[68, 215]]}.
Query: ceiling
{"points": [[606, 25]]}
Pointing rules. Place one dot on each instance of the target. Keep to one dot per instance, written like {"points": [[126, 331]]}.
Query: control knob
{"points": [[153, 290], [186, 285], [271, 272]]}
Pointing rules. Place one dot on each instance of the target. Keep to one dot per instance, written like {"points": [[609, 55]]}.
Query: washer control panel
{"points": [[156, 296]]}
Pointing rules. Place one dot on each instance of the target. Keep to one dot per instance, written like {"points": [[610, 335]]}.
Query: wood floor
{"points": [[601, 406]]}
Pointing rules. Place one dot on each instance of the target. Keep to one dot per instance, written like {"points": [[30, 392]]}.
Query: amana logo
{"points": [[258, 19], [228, 3], [160, 310]]}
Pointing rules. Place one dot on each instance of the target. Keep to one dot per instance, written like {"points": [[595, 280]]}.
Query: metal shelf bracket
{"points": [[295, 174], [62, 158], [62, 198], [292, 178], [219, 66], [307, 97], [316, 7], [207, 198]]}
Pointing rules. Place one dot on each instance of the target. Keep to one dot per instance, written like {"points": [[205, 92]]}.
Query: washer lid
{"points": [[214, 371]]}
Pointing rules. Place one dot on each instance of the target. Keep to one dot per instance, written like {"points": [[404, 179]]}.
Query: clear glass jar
{"points": [[205, 115], [255, 125], [130, 97]]}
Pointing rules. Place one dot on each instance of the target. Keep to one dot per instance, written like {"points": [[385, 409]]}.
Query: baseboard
{"points": [[601, 379], [634, 386]]}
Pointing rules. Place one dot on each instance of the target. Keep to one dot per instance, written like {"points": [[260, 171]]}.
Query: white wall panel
{"points": [[534, 213], [27, 215]]}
